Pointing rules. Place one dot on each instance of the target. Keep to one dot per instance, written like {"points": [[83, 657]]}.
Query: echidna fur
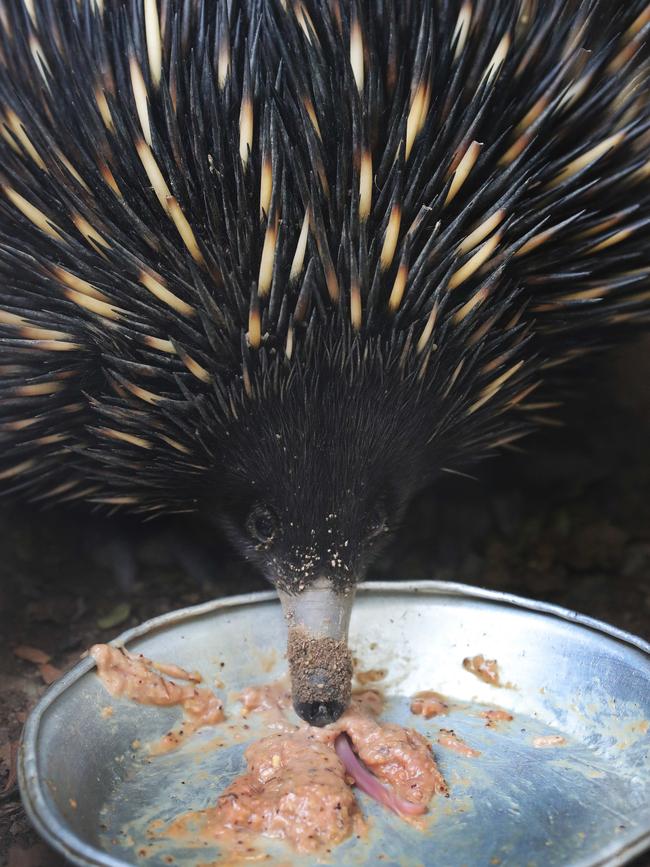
{"points": [[306, 253]]}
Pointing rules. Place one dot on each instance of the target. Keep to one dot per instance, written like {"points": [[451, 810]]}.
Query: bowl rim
{"points": [[78, 852]]}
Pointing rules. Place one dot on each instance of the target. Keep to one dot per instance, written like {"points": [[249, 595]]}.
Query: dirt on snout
{"points": [[308, 656]]}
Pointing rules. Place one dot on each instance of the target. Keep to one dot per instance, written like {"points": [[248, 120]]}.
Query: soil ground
{"points": [[568, 521]]}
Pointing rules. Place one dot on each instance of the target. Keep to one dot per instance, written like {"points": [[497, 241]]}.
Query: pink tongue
{"points": [[369, 784]]}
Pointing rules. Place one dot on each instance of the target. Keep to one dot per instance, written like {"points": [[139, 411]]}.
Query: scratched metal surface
{"points": [[584, 803]]}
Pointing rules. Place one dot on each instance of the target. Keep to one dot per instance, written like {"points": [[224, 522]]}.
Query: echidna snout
{"points": [[320, 663]]}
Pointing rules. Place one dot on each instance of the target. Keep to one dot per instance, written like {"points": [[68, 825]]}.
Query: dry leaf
{"points": [[9, 755], [116, 616], [49, 673], [31, 654], [36, 856]]}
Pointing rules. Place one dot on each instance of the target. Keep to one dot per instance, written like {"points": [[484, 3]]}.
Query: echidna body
{"points": [[283, 261]]}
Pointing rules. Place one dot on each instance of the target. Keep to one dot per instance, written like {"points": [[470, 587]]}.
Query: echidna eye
{"points": [[377, 523], [261, 525]]}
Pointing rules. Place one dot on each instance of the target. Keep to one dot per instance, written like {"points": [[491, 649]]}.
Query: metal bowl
{"points": [[92, 795]]}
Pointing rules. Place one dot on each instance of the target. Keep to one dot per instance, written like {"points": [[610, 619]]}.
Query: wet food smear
{"points": [[299, 781], [448, 738], [372, 675], [486, 670], [268, 697], [295, 789], [496, 715], [139, 679], [546, 741], [428, 704]]}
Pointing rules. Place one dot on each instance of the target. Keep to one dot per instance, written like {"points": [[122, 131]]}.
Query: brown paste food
{"points": [[546, 741], [486, 670], [428, 704], [448, 738], [372, 675], [270, 698], [299, 781], [295, 789], [496, 715], [138, 678], [298, 785]]}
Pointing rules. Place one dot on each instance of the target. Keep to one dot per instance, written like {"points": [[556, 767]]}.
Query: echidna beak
{"points": [[320, 663], [319, 713]]}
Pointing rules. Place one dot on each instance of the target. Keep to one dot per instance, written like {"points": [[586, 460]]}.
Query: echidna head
{"points": [[316, 477]]}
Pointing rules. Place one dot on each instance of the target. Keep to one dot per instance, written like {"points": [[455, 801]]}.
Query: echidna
{"points": [[284, 261]]}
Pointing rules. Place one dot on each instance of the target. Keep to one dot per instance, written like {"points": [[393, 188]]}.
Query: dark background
{"points": [[567, 521]]}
